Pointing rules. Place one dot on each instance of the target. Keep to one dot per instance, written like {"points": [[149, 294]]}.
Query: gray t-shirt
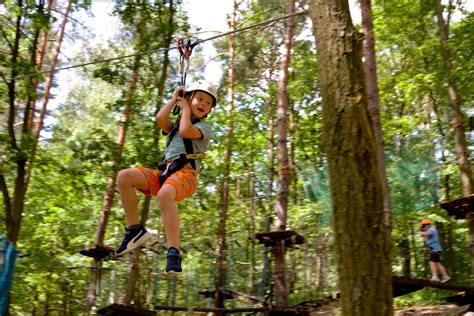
{"points": [[176, 147]]}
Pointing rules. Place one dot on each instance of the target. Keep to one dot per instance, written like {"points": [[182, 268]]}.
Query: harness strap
{"points": [[188, 144], [166, 170]]}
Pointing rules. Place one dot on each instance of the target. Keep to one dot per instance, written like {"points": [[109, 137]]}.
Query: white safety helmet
{"points": [[202, 85]]}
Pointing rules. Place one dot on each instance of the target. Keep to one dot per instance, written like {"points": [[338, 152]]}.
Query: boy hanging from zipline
{"points": [[176, 176]]}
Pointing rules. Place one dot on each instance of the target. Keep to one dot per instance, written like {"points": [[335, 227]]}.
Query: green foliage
{"points": [[68, 181], [461, 48], [428, 296]]}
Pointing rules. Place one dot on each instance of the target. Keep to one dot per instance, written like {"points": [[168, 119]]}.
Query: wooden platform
{"points": [[459, 208], [289, 237], [212, 294], [97, 252], [402, 286]]}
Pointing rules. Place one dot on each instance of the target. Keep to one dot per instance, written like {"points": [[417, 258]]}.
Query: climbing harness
{"points": [[166, 169]]}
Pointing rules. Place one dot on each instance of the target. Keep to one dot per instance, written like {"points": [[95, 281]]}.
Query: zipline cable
{"points": [[162, 49]]}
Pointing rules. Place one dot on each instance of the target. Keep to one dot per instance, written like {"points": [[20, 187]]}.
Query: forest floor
{"points": [[435, 310], [442, 310]]}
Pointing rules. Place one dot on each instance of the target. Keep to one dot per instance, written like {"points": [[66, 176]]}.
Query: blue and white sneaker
{"points": [[133, 238], [173, 261]]}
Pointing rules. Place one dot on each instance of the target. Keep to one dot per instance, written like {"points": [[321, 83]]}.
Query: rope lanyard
{"points": [[185, 48]]}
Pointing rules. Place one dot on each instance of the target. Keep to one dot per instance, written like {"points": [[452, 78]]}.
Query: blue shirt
{"points": [[432, 240], [176, 147]]}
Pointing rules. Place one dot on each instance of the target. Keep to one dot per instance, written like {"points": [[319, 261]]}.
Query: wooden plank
{"points": [[119, 309], [97, 252], [438, 285]]}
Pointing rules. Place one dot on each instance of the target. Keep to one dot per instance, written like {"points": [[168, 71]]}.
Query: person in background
{"points": [[431, 237]]}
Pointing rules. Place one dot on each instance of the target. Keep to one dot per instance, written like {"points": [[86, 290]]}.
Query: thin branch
{"points": [[6, 199], [6, 39]]}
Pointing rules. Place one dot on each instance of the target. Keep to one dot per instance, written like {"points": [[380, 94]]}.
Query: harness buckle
{"points": [[196, 156]]}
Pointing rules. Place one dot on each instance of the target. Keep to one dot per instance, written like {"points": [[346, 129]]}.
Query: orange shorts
{"points": [[184, 181]]}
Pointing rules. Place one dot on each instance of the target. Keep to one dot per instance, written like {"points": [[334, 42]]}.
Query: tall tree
{"points": [[126, 115], [23, 143], [457, 120], [362, 242], [281, 206], [224, 191], [370, 68]]}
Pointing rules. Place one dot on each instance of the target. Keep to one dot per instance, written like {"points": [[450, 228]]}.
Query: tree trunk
{"points": [[362, 241], [450, 252], [281, 290], [370, 68], [320, 249], [252, 215], [271, 173], [416, 258], [27, 149], [37, 56], [224, 203], [121, 136], [283, 167], [457, 121], [50, 76], [109, 191], [404, 246], [164, 72], [292, 162]]}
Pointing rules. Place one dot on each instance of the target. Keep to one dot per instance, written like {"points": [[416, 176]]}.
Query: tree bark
{"points": [[224, 202], [370, 68], [457, 118], [111, 181], [29, 139], [131, 293], [252, 216], [457, 121], [283, 164], [362, 241], [281, 291]]}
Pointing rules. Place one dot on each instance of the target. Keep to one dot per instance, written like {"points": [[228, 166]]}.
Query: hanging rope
{"points": [[304, 12]]}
